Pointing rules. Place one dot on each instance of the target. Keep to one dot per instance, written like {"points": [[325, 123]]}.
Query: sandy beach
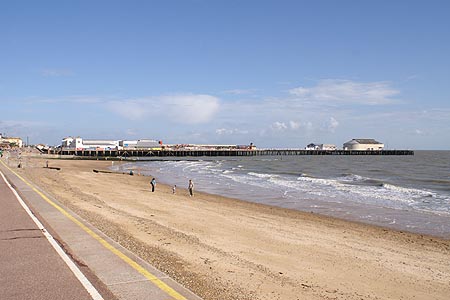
{"points": [[223, 248]]}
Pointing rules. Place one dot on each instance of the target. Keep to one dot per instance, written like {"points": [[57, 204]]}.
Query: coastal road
{"points": [[31, 268]]}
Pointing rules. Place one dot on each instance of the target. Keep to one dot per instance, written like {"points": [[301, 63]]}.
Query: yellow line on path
{"points": [[160, 284]]}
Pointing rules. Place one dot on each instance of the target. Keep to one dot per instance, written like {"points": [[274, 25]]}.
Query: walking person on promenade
{"points": [[153, 183], [191, 188]]}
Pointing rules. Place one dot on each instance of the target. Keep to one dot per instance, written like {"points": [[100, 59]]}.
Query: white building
{"points": [[140, 144], [70, 142], [313, 146], [127, 144], [10, 141], [147, 144], [363, 144], [100, 144], [80, 144]]}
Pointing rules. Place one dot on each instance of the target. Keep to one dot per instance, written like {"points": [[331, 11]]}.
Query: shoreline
{"points": [[236, 249], [400, 219], [274, 208]]}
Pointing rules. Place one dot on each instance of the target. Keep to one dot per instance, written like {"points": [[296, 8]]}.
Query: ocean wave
{"points": [[354, 179], [294, 186], [315, 180], [410, 191], [262, 175]]}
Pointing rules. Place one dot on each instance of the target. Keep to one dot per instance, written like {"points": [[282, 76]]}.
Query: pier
{"points": [[233, 152]]}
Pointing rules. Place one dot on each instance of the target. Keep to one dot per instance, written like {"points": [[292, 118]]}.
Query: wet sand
{"points": [[223, 248]]}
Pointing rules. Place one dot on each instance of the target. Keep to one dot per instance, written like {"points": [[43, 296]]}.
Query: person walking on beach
{"points": [[153, 183], [191, 188], [174, 189]]}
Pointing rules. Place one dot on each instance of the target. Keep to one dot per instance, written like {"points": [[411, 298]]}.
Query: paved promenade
{"points": [[30, 266], [50, 253]]}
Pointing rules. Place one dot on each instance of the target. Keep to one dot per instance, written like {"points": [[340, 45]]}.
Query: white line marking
{"points": [[76, 271]]}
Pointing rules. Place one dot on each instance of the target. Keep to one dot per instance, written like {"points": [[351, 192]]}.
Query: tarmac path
{"points": [[89, 265], [31, 267]]}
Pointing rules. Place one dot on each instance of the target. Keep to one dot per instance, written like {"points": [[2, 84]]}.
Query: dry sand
{"points": [[222, 248]]}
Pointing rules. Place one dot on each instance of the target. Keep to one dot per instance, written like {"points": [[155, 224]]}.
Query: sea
{"points": [[406, 193]]}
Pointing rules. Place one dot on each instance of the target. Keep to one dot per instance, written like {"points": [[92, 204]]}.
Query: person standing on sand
{"points": [[174, 189], [153, 183], [191, 188]]}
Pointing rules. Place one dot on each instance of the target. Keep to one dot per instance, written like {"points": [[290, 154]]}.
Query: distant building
{"points": [[80, 144], [100, 144], [42, 147], [140, 144], [148, 144], [328, 147], [7, 142], [251, 146], [363, 144], [77, 143], [313, 146], [71, 143], [127, 144]]}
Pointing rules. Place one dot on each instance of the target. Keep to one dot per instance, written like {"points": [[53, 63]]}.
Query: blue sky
{"points": [[275, 73]]}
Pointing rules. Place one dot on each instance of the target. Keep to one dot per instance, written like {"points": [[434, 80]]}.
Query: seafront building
{"points": [[363, 144], [9, 142], [80, 144], [313, 146], [141, 144], [352, 145]]}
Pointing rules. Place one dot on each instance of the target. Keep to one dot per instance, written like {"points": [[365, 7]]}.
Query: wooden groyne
{"points": [[198, 153]]}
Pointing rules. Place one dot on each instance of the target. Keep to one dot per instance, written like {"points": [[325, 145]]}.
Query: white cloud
{"points": [[226, 131], [191, 109], [279, 126], [182, 108], [332, 124], [300, 91], [130, 109], [347, 91], [294, 125]]}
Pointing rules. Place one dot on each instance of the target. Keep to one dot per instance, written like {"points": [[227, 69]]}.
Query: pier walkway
{"points": [[233, 152]]}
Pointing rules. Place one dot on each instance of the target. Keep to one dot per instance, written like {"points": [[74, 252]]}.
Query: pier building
{"points": [[313, 146], [149, 149], [363, 144], [78, 143]]}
